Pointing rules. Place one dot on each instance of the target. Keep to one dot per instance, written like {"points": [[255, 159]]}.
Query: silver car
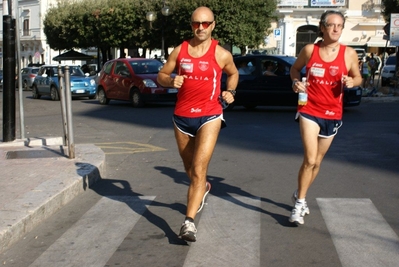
{"points": [[388, 71], [28, 74]]}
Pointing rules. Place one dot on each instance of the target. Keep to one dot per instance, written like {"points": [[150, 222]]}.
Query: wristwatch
{"points": [[233, 92]]}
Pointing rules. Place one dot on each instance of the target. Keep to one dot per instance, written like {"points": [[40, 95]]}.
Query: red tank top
{"points": [[199, 94], [325, 90]]}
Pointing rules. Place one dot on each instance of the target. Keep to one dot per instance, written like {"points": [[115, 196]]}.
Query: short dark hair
{"points": [[323, 19]]}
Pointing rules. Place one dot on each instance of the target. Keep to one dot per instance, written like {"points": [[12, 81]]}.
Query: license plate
{"points": [[80, 91], [172, 91]]}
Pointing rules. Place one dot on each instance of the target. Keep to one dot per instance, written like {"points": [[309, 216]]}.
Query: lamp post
{"points": [[151, 16]]}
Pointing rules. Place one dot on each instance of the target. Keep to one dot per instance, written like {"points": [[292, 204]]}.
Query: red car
{"points": [[134, 80]]}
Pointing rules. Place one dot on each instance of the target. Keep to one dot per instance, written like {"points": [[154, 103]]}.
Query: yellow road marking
{"points": [[127, 148]]}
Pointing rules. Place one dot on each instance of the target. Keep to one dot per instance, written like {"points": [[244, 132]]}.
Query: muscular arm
{"points": [[164, 77], [300, 62], [352, 66], [226, 62]]}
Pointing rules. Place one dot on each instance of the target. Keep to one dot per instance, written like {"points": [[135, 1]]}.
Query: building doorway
{"points": [[305, 35]]}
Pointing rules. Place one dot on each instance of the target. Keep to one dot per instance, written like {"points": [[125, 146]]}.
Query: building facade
{"points": [[299, 20]]}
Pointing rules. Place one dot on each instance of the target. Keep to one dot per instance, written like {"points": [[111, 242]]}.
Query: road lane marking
{"points": [[127, 148], [360, 234], [228, 234], [95, 237]]}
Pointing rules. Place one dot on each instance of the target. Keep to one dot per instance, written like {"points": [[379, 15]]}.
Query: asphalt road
{"points": [[132, 216]]}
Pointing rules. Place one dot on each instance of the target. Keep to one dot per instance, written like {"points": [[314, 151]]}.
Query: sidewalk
{"points": [[37, 178]]}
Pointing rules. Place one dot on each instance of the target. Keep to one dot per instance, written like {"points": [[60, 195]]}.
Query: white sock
{"points": [[301, 200]]}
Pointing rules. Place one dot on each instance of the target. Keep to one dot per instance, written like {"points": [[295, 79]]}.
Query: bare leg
{"points": [[315, 149], [196, 153]]}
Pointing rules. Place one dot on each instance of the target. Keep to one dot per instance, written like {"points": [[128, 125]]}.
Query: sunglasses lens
{"points": [[195, 24], [205, 24]]}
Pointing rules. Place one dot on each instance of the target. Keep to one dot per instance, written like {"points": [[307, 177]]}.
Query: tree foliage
{"points": [[389, 7], [123, 23]]}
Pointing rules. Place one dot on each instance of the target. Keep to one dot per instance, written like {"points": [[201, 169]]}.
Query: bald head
{"points": [[202, 14]]}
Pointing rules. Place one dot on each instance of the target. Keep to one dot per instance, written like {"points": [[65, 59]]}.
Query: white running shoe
{"points": [[208, 188], [294, 198], [297, 214], [188, 232]]}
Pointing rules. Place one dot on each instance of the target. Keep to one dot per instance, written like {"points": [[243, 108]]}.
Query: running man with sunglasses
{"points": [[329, 67], [198, 115]]}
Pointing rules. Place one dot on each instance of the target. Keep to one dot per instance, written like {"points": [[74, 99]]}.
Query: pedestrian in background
{"points": [[198, 115], [329, 67], [366, 72], [373, 67]]}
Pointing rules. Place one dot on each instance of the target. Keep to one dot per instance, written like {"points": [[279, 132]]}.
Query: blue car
{"points": [[46, 83]]}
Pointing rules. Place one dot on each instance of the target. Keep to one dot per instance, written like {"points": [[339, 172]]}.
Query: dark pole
{"points": [[9, 79]]}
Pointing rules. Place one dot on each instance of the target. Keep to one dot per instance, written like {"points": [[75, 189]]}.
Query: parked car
{"points": [[46, 83], [134, 80], [28, 75], [388, 71], [256, 89]]}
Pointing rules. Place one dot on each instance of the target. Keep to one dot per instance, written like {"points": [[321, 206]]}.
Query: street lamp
{"points": [[151, 16]]}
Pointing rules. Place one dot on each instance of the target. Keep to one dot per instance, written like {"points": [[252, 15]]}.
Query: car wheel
{"points": [[137, 99], [25, 85], [54, 94], [102, 98], [35, 92]]}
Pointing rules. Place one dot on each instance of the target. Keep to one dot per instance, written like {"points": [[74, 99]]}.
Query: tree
{"points": [[122, 23], [389, 7]]}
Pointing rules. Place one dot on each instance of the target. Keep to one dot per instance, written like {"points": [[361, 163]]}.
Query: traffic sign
{"points": [[394, 28], [277, 34]]}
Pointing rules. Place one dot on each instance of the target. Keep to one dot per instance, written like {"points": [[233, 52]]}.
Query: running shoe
{"points": [[188, 232], [208, 188], [297, 214], [294, 198]]}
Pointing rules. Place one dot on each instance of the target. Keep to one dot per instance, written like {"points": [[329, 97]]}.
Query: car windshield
{"points": [[75, 71], [391, 61], [146, 66], [34, 71]]}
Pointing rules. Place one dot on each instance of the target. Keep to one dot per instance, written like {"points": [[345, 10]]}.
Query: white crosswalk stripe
{"points": [[97, 235], [360, 234], [226, 240]]}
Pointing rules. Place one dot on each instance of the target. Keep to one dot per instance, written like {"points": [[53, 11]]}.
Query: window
{"points": [[26, 31]]}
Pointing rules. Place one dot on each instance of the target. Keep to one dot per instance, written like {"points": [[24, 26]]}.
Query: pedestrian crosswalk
{"points": [[360, 234], [97, 235], [227, 242]]}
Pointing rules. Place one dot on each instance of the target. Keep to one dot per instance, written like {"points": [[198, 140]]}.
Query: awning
{"points": [[377, 41], [356, 44], [72, 55], [375, 23]]}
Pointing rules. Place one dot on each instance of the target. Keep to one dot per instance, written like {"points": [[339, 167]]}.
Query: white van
{"points": [[388, 71]]}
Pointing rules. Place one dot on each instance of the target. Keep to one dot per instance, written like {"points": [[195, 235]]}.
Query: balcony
{"points": [[372, 5]]}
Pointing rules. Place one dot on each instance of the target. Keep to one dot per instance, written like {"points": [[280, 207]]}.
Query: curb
{"points": [[67, 178]]}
